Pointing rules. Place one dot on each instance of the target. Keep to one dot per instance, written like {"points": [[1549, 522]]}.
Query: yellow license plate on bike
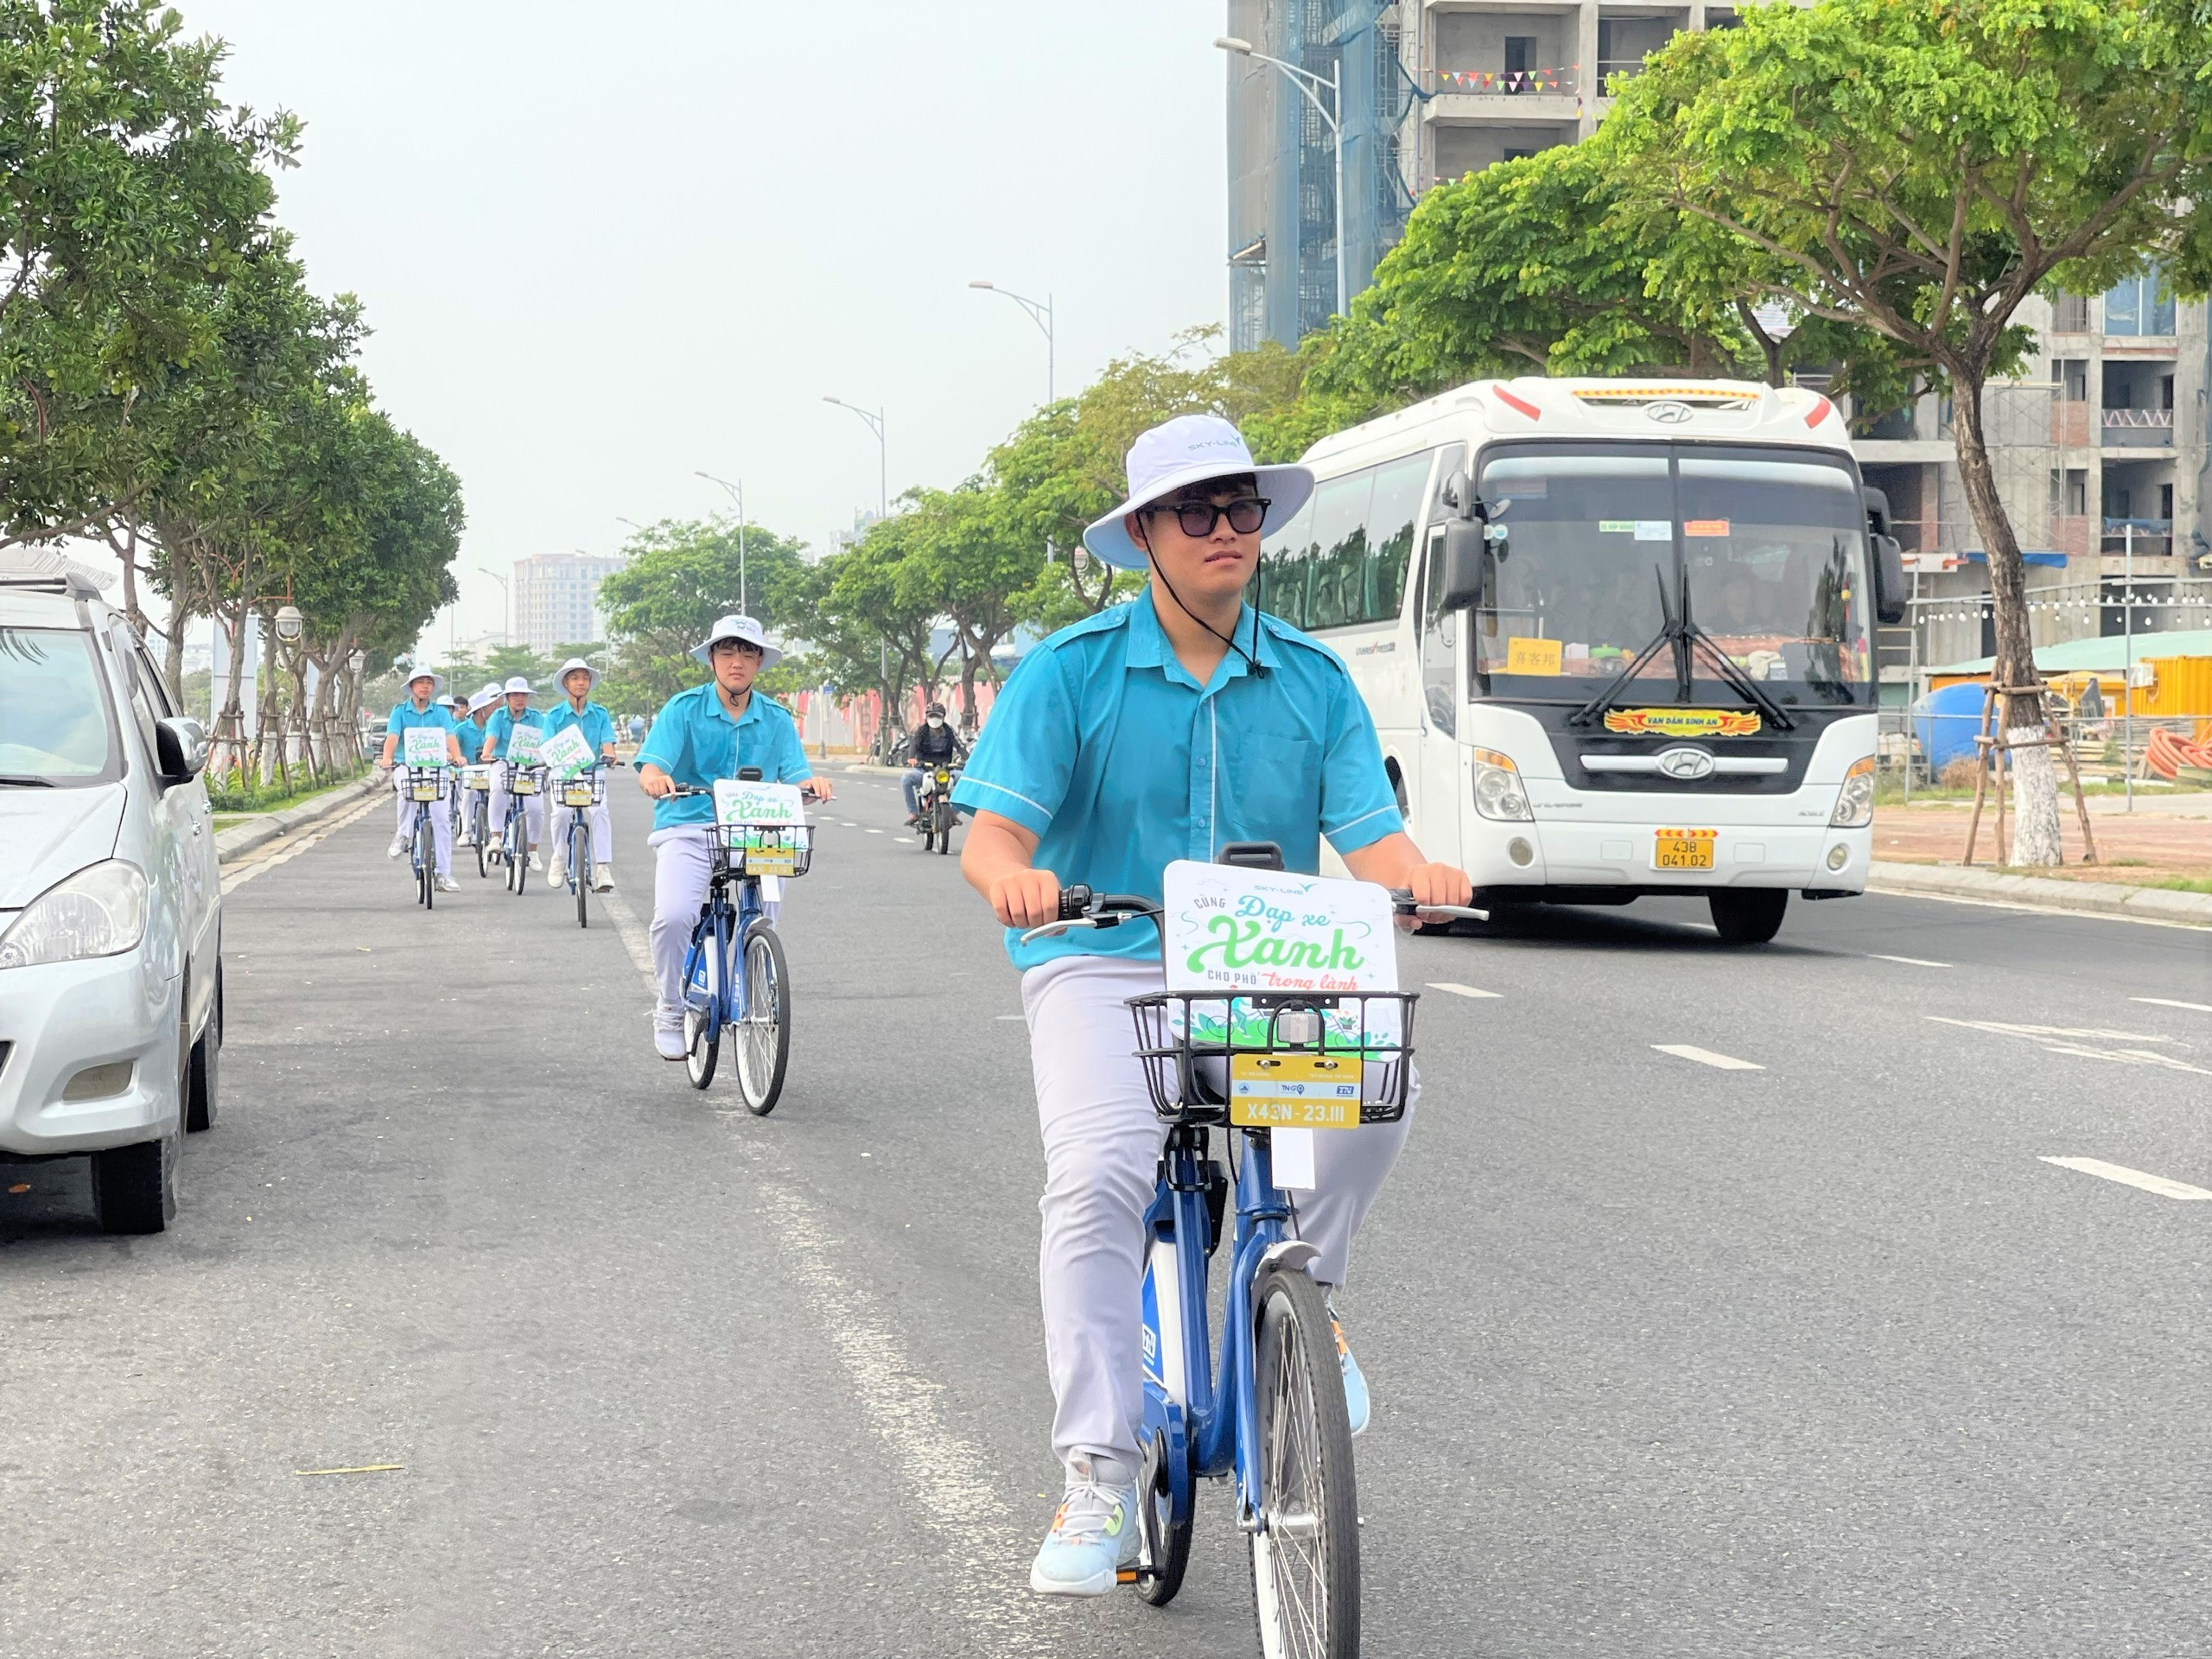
{"points": [[522, 784], [1294, 1091], [771, 861], [1684, 849], [423, 791], [577, 795]]}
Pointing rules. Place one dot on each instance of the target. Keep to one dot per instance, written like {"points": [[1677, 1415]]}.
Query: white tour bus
{"points": [[1616, 636]]}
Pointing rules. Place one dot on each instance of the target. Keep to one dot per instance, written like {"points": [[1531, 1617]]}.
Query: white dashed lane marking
{"points": [[2127, 1177], [2067, 1039], [1909, 962], [2168, 1003], [1459, 990], [1706, 1056]]}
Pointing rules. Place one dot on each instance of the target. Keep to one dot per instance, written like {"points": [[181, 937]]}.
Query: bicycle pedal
{"points": [[1125, 1575]]}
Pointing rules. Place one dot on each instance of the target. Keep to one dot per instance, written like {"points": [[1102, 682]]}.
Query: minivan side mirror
{"points": [[1889, 581], [180, 748]]}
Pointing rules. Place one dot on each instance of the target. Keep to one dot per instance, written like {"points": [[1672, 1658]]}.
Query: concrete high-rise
{"points": [[557, 598]]}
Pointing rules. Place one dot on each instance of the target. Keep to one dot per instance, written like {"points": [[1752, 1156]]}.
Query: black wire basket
{"points": [[763, 850], [1277, 1061]]}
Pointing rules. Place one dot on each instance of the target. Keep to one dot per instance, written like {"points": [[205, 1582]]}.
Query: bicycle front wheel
{"points": [[1305, 1552], [516, 857], [426, 861], [480, 830], [764, 1021], [580, 870], [945, 817]]}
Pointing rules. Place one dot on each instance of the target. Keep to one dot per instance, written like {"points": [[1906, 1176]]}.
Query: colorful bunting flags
{"points": [[1559, 78]]}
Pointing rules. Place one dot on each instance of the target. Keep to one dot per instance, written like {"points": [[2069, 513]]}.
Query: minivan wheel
{"points": [[134, 1188]]}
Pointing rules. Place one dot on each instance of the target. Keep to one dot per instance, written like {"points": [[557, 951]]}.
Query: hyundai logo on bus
{"points": [[1668, 414], [1686, 765]]}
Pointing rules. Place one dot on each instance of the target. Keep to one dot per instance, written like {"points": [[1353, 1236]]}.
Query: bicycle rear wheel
{"points": [[1306, 1553], [1169, 1545], [700, 1050], [764, 1021]]}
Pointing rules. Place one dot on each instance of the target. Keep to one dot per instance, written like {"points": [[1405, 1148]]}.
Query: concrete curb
{"points": [[2094, 898], [873, 771], [243, 838]]}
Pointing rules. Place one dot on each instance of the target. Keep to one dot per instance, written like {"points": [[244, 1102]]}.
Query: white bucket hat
{"points": [[570, 667], [1190, 449], [517, 683], [484, 699], [437, 681], [738, 627], [491, 689]]}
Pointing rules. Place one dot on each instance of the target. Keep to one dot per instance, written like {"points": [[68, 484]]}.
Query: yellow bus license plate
{"points": [[1294, 1091], [1684, 849]]}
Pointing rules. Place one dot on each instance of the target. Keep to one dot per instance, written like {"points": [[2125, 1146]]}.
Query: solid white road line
{"points": [[2127, 1177], [1909, 962], [1459, 990], [1706, 1056], [241, 874], [2168, 1003]]}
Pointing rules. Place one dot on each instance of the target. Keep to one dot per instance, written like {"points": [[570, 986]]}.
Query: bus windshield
{"points": [[1769, 546]]}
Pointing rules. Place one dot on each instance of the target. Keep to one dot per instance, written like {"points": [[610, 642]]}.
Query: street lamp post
{"points": [[1042, 316], [506, 607], [883, 453], [737, 494], [1332, 113]]}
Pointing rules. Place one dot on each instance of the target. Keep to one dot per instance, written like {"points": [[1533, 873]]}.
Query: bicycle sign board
{"points": [[522, 744], [567, 752], [424, 746], [1271, 931], [759, 819]]}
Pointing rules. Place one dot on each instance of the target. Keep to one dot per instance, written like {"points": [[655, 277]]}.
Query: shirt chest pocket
{"points": [[1274, 785]]}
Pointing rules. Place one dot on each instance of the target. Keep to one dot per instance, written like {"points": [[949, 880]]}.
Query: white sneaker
{"points": [[399, 846], [446, 884], [1093, 1536], [603, 878], [534, 863], [556, 874], [669, 1042]]}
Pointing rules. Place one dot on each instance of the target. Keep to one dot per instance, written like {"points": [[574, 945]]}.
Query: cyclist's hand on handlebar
{"points": [[655, 782], [1437, 884], [1026, 897], [815, 789]]}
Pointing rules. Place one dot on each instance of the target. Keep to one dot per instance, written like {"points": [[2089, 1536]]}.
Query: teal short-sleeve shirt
{"points": [[694, 741]]}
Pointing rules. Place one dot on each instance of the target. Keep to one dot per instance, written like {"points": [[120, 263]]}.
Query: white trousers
{"points": [[601, 821], [1101, 1154], [440, 819], [533, 808], [684, 862]]}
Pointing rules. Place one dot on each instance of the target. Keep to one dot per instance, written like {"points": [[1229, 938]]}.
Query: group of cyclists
{"points": [[1159, 730], [481, 730]]}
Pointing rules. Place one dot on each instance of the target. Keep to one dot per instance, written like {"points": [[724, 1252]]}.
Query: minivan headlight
{"points": [[98, 911], [1854, 806], [1499, 793]]}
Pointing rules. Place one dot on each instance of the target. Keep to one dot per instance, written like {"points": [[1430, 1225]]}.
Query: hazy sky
{"points": [[603, 245]]}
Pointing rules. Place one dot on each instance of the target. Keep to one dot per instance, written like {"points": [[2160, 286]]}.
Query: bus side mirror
{"points": [[1459, 582], [1889, 581]]}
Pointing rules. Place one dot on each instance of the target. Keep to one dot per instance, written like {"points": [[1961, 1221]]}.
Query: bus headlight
{"points": [[1854, 807], [1499, 793]]}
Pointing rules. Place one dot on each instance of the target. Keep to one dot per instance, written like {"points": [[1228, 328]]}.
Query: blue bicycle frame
{"points": [[1183, 1393], [714, 967]]}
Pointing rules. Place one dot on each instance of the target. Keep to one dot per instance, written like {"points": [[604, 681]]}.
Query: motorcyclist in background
{"points": [[935, 744]]}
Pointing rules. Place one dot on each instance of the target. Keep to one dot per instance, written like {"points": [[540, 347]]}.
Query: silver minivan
{"points": [[111, 903]]}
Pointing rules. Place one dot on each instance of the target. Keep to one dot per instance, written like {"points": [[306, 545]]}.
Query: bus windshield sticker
{"points": [[1683, 723], [1524, 656], [1706, 527], [1655, 530], [1617, 526]]}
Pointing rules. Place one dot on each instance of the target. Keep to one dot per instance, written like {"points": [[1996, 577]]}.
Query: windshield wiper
{"points": [[1685, 637], [25, 781]]}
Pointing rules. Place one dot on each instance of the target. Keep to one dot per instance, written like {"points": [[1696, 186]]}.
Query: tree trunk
{"points": [[2034, 778], [1770, 348]]}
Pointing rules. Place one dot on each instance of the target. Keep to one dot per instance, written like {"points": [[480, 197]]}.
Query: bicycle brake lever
{"points": [[1053, 930]]}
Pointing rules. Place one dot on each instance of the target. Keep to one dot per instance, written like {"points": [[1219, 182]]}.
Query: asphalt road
{"points": [[1670, 1358]]}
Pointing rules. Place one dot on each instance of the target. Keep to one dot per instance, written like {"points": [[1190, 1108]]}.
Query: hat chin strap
{"points": [[1259, 669]]}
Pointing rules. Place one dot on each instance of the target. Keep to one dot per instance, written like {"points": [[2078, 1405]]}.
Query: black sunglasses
{"points": [[1197, 519]]}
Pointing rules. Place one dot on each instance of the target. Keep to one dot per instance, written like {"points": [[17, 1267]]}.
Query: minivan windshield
{"points": [[1770, 545], [55, 727]]}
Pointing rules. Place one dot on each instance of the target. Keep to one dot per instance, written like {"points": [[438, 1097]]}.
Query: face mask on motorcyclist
{"points": [[936, 721]]}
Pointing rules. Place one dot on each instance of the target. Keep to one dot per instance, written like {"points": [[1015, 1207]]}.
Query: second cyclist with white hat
{"points": [[577, 677], [499, 734], [707, 732]]}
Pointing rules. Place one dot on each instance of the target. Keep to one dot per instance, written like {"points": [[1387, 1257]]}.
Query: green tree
{"points": [[1921, 170], [970, 560], [681, 575]]}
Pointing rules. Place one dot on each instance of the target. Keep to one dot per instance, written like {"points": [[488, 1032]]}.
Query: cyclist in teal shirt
{"points": [[702, 735], [1162, 729], [513, 711], [418, 711], [577, 677]]}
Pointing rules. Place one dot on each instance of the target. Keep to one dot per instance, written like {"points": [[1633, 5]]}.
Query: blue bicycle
{"points": [[578, 793], [426, 788], [734, 976], [1272, 1417]]}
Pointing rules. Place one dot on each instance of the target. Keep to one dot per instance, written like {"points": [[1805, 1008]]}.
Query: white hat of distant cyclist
{"points": [[484, 699], [437, 681], [570, 667], [516, 685], [491, 689], [738, 627], [1191, 449]]}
